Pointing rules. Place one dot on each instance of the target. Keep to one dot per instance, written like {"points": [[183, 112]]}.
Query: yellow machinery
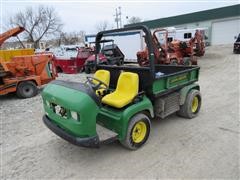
{"points": [[7, 55]]}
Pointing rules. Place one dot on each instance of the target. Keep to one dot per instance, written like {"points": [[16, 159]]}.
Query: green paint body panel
{"points": [[72, 100], [90, 113], [117, 119], [169, 82]]}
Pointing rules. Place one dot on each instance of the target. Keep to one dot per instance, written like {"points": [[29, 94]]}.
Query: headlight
{"points": [[75, 115]]}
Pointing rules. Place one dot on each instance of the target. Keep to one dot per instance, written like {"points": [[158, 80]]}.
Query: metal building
{"points": [[222, 24]]}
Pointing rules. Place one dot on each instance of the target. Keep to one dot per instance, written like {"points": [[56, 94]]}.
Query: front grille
{"points": [[61, 111]]}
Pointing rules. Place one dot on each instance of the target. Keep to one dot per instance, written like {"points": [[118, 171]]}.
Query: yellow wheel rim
{"points": [[195, 104], [139, 132]]}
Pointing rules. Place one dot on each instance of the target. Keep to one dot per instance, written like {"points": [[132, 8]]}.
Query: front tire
{"points": [[138, 132], [192, 105], [27, 89]]}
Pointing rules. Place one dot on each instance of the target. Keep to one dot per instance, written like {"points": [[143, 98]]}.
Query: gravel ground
{"points": [[204, 147]]}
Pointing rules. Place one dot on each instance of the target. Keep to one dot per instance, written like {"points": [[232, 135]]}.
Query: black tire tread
{"points": [[185, 108], [126, 142], [19, 92]]}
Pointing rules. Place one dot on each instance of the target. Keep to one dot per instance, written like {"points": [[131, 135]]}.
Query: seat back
{"points": [[102, 75], [128, 84]]}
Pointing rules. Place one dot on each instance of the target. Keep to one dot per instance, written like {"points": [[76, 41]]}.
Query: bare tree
{"points": [[134, 19], [38, 23], [102, 26], [71, 38]]}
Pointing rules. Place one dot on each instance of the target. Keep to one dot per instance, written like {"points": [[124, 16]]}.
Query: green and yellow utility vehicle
{"points": [[118, 102]]}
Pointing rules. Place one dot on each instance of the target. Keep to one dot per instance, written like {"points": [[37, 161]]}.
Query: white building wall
{"points": [[220, 31], [224, 31]]}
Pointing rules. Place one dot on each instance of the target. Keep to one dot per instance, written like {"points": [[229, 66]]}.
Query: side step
{"points": [[106, 136]]}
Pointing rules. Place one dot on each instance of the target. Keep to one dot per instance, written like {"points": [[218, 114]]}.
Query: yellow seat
{"points": [[104, 76], [127, 89]]}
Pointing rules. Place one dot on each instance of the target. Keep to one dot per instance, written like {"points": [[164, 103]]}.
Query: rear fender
{"points": [[184, 91]]}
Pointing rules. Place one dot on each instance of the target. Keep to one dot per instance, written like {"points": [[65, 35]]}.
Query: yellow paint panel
{"points": [[7, 55]]}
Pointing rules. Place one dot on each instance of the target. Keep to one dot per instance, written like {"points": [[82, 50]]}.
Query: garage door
{"points": [[223, 32]]}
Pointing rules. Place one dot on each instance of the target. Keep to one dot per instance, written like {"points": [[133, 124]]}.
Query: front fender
{"points": [[144, 105], [73, 97]]}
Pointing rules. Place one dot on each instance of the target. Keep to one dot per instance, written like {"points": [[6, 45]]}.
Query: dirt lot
{"points": [[204, 147]]}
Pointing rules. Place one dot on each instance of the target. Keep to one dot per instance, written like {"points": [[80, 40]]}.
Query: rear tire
{"points": [[27, 89], [192, 105], [138, 132], [87, 70]]}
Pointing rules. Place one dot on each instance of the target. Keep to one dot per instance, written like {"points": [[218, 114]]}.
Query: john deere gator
{"points": [[119, 102]]}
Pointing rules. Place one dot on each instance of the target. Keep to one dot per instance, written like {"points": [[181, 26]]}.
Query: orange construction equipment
{"points": [[198, 43], [175, 52], [21, 71], [10, 33], [23, 74], [7, 55]]}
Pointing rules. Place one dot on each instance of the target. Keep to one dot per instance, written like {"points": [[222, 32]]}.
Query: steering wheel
{"points": [[96, 86]]}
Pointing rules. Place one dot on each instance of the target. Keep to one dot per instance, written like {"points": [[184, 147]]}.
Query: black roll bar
{"points": [[148, 40]]}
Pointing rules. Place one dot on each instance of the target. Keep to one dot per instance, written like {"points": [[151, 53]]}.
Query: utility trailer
{"points": [[119, 102], [24, 74]]}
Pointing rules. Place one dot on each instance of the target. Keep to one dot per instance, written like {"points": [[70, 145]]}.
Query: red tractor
{"points": [[175, 52]]}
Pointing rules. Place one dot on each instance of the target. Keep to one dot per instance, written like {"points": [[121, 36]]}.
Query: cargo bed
{"points": [[171, 78]]}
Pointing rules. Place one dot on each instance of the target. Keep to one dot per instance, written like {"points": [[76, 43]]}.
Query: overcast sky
{"points": [[77, 15]]}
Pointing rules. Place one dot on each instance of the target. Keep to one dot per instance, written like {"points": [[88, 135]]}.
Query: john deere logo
{"points": [[179, 78]]}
